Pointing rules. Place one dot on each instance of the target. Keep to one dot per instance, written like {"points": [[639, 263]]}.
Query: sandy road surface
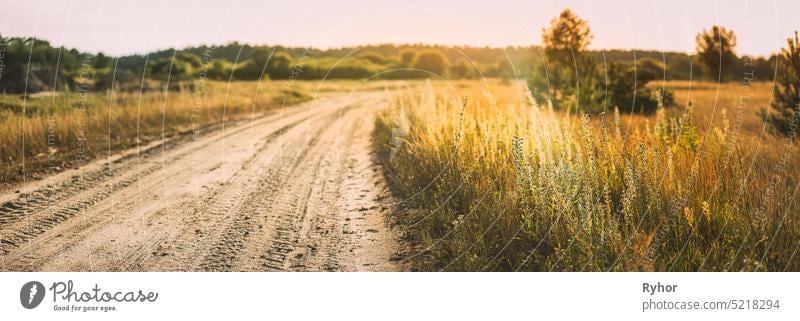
{"points": [[297, 189]]}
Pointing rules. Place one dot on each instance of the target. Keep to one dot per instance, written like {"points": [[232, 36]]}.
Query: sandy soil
{"points": [[295, 190]]}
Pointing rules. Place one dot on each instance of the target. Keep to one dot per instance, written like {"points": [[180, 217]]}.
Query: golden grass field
{"points": [[499, 182], [65, 129], [502, 183]]}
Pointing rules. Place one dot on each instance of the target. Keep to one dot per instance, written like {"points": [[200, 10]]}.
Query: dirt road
{"points": [[295, 190]]}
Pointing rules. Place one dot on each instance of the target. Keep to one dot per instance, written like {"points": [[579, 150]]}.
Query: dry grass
{"points": [[503, 184], [711, 98], [65, 129]]}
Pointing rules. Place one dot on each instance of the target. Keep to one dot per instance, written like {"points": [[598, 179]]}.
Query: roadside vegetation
{"points": [[53, 68], [556, 157], [45, 133], [607, 166], [500, 182]]}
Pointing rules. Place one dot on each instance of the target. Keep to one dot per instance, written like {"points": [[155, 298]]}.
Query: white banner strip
{"points": [[399, 296]]}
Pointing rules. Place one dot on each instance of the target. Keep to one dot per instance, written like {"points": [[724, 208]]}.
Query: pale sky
{"points": [[125, 27]]}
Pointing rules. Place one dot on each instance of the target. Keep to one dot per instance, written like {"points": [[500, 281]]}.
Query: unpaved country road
{"points": [[294, 190]]}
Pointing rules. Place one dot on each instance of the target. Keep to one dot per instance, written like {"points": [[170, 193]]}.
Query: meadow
{"points": [[493, 180], [65, 129], [490, 178]]}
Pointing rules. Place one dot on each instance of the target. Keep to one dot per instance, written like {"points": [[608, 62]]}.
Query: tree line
{"points": [[573, 79], [54, 68]]}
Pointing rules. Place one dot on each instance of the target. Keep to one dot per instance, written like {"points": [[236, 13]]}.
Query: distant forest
{"points": [[51, 68]]}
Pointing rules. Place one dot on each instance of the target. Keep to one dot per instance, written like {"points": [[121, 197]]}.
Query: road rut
{"points": [[294, 190]]}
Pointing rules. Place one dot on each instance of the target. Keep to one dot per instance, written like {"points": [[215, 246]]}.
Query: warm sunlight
{"points": [[378, 136]]}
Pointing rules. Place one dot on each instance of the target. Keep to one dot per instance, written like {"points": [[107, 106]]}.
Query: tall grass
{"points": [[65, 129], [503, 183]]}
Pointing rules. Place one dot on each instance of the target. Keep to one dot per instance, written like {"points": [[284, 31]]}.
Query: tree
{"points": [[649, 69], [567, 77], [568, 34], [190, 58], [255, 68], [168, 68], [407, 57], [220, 70], [503, 69], [373, 57], [787, 95], [627, 88], [261, 57], [280, 66], [462, 69], [101, 61], [715, 50], [434, 62]]}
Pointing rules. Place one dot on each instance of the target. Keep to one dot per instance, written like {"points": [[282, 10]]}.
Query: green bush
{"points": [[433, 62]]}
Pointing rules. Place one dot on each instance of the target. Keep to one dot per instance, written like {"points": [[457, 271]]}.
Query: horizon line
{"points": [[367, 44]]}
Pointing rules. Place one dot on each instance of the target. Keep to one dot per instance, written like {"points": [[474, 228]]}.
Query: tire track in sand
{"points": [[295, 190]]}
